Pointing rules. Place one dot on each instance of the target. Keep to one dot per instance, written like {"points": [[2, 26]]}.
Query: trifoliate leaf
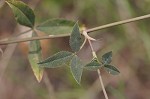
{"points": [[93, 65], [76, 68], [75, 38], [35, 55], [111, 69], [107, 58], [56, 27], [22, 12], [57, 60]]}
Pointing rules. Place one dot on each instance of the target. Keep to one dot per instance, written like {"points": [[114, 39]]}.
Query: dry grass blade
{"points": [[5, 60], [1, 51]]}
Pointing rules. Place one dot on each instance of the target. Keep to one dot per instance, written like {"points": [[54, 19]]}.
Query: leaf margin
{"points": [[111, 69], [51, 61], [30, 23]]}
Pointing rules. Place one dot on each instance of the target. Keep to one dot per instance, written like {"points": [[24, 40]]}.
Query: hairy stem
{"points": [[88, 31]]}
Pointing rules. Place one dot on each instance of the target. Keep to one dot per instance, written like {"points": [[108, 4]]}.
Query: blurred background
{"points": [[130, 44]]}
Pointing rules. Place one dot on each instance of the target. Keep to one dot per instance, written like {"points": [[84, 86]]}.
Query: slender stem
{"points": [[91, 46], [88, 31], [98, 71], [99, 75], [31, 39], [83, 43], [22, 32], [101, 81], [16, 35], [119, 23]]}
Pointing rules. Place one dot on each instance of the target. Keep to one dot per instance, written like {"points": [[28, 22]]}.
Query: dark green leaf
{"points": [[56, 27], [75, 38], [57, 60], [111, 69], [23, 14], [35, 55], [93, 65], [107, 58], [76, 68]]}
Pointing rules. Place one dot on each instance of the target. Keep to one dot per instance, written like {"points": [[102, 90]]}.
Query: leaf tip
{"points": [[76, 68], [39, 78], [107, 57], [111, 69], [24, 15], [75, 40]]}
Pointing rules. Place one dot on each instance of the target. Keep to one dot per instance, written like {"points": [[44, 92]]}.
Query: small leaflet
{"points": [[24, 15], [107, 58], [76, 68], [93, 65], [56, 60], [75, 38], [56, 27], [34, 56], [111, 69]]}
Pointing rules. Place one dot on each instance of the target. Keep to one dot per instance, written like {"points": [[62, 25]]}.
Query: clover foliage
{"points": [[25, 16]]}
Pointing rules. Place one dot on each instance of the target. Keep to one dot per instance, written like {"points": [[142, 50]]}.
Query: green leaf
{"points": [[23, 14], [76, 68], [57, 60], [111, 69], [75, 38], [93, 65], [35, 55], [107, 58], [56, 27]]}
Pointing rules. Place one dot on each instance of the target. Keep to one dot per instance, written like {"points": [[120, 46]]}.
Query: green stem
{"points": [[88, 31]]}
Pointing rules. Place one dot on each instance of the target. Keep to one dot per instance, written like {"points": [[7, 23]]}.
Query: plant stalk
{"points": [[98, 71], [31, 39], [15, 35], [101, 81], [99, 74], [119, 23], [88, 31]]}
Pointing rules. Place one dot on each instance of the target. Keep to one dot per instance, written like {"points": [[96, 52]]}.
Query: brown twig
{"points": [[88, 31]]}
